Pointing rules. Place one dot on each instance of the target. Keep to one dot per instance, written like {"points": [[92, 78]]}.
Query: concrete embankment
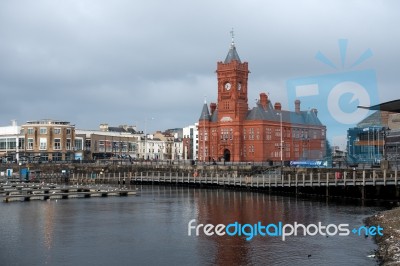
{"points": [[388, 251]]}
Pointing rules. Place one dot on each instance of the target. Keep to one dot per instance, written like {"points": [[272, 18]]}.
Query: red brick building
{"points": [[230, 131]]}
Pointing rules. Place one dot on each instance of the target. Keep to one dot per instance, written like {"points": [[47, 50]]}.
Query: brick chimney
{"points": [[213, 107], [278, 106], [264, 100], [297, 106]]}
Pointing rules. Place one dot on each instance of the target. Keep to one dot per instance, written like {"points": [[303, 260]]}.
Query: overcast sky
{"points": [[120, 61]]}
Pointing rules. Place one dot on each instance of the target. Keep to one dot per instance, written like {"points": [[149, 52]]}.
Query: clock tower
{"points": [[229, 132], [232, 77]]}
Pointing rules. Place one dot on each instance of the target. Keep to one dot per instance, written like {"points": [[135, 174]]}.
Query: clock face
{"points": [[227, 86]]}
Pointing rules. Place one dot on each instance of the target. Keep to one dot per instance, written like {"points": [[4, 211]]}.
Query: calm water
{"points": [[151, 229]]}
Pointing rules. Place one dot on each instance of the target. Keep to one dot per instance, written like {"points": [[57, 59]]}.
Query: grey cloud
{"points": [[120, 61]]}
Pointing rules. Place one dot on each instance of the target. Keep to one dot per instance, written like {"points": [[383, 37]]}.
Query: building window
{"points": [[306, 134], [3, 144], [88, 143], [43, 144], [68, 131], [68, 144], [57, 144], [277, 132], [30, 131], [224, 134], [251, 133], [226, 105], [244, 133], [44, 157], [57, 131], [125, 147], [287, 150], [57, 156], [43, 130], [268, 133], [21, 143], [30, 144], [79, 144], [296, 133], [132, 146], [11, 143]]}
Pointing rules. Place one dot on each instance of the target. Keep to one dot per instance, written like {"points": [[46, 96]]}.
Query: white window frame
{"points": [[27, 144], [59, 146], [68, 145], [43, 144]]}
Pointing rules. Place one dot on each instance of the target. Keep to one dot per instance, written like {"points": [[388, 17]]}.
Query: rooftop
{"points": [[47, 122], [232, 54], [391, 106]]}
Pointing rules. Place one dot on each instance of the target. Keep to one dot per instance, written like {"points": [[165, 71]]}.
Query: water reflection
{"points": [[49, 225], [224, 207], [152, 230]]}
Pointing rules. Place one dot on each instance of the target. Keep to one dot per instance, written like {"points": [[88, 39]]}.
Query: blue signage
{"points": [[308, 163]]}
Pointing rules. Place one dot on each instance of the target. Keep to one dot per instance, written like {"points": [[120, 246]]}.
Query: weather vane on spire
{"points": [[233, 36]]}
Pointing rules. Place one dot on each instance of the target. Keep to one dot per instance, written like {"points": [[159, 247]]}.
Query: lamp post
{"points": [[145, 137], [105, 146], [281, 145], [348, 149], [204, 138], [385, 134], [369, 149], [17, 149]]}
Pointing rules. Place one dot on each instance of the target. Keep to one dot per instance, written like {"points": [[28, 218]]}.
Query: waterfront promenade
{"points": [[372, 184], [266, 180]]}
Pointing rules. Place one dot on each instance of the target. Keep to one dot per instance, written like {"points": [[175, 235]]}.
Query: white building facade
{"points": [[11, 141]]}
